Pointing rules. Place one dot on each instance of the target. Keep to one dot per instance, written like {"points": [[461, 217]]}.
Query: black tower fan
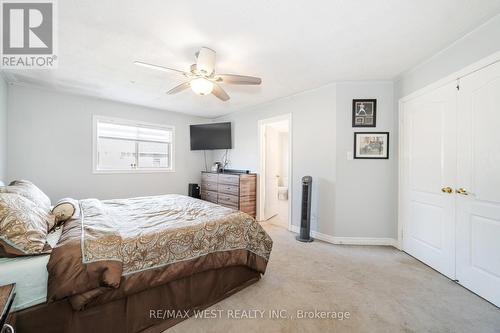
{"points": [[305, 214]]}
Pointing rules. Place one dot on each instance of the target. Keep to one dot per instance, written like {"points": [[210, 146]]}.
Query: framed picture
{"points": [[371, 145], [364, 112]]}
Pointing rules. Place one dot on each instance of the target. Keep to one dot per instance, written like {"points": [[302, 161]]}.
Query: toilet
{"points": [[282, 193], [283, 188]]}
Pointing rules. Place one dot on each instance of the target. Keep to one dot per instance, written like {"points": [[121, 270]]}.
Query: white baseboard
{"points": [[349, 240]]}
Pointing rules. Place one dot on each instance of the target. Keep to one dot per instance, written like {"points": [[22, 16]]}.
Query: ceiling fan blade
{"points": [[205, 61], [237, 79], [160, 68], [220, 93], [179, 88]]}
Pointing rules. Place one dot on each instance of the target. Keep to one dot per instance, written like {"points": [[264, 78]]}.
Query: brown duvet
{"points": [[116, 248]]}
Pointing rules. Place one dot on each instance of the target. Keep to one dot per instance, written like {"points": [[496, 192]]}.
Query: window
{"points": [[128, 146]]}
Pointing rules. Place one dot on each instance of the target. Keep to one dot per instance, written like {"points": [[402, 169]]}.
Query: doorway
{"points": [[274, 202]]}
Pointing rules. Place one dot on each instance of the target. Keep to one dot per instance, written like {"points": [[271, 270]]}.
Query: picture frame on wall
{"points": [[371, 145], [364, 113]]}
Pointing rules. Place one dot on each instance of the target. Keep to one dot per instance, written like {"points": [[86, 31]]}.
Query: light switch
{"points": [[350, 156]]}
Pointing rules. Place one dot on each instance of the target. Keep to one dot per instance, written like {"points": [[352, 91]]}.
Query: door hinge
{"points": [[458, 86]]}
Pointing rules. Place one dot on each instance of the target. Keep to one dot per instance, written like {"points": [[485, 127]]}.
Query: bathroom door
{"points": [[272, 169]]}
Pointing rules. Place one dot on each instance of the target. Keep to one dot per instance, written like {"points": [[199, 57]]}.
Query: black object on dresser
{"points": [[230, 189]]}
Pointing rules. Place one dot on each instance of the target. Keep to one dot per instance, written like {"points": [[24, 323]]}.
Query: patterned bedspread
{"points": [[118, 247]]}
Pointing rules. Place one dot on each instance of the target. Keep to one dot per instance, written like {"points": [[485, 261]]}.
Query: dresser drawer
{"points": [[209, 177], [209, 196], [235, 207], [229, 179], [209, 186], [229, 189], [228, 199]]}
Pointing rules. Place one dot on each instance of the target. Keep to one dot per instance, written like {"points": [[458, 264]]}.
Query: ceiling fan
{"points": [[202, 77]]}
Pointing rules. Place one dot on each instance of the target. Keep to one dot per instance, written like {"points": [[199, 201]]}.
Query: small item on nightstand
{"points": [[217, 167], [194, 191], [6, 299]]}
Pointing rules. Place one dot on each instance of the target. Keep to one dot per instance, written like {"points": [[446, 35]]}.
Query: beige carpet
{"points": [[383, 289]]}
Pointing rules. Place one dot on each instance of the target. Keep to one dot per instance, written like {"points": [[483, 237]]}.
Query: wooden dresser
{"points": [[233, 190]]}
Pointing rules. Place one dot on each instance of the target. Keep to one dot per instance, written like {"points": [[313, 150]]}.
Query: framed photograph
{"points": [[364, 112], [371, 145]]}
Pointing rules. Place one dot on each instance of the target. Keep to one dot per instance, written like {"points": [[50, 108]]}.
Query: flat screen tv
{"points": [[211, 136]]}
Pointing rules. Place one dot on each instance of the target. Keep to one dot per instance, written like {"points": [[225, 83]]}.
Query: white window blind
{"points": [[127, 146]]}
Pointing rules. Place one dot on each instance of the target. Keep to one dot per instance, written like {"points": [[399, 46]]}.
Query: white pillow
{"points": [[23, 226], [65, 209], [28, 190]]}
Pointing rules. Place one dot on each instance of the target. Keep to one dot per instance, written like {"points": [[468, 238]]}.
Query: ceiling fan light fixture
{"points": [[202, 86], [202, 77], [205, 61]]}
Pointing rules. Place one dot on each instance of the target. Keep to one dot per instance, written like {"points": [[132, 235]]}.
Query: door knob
{"points": [[447, 189], [462, 191]]}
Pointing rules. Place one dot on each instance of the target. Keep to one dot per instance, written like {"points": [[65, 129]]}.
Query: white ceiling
{"points": [[294, 45]]}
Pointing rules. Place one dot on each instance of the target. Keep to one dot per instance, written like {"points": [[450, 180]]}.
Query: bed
{"points": [[118, 261]]}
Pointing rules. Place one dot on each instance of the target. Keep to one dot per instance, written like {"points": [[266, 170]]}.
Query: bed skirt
{"points": [[138, 312]]}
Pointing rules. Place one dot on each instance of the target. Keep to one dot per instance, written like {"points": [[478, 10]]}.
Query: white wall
{"points": [[3, 129], [366, 190], [477, 44], [313, 147], [351, 198], [50, 143]]}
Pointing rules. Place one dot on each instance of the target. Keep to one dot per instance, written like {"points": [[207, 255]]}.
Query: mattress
{"points": [[29, 274]]}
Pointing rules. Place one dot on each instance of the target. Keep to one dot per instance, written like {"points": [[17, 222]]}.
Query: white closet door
{"points": [[429, 167], [478, 209]]}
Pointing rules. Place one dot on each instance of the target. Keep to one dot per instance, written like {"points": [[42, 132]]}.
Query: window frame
{"points": [[128, 122]]}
